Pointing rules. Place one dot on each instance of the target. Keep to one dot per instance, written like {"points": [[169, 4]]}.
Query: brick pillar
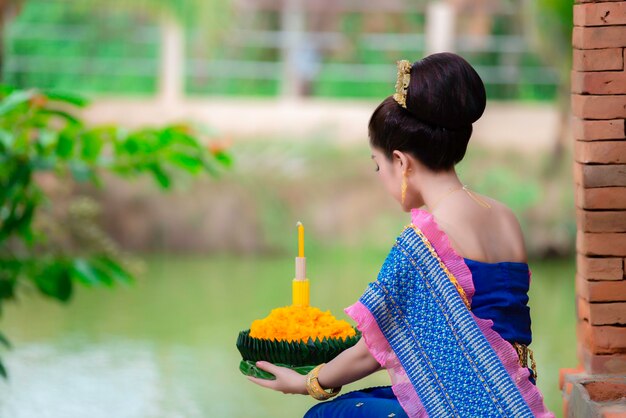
{"points": [[599, 128]]}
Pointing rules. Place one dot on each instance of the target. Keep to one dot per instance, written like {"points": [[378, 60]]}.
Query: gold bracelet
{"points": [[315, 389]]}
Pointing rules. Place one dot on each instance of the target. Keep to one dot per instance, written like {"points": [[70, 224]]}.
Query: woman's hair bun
{"points": [[444, 90]]}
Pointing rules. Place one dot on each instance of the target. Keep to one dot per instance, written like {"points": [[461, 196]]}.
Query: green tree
{"points": [[41, 137]]}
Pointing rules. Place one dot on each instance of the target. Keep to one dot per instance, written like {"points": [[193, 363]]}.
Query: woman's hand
{"points": [[287, 380]]}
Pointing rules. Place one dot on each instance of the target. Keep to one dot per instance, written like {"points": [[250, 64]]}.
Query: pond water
{"points": [[165, 346]]}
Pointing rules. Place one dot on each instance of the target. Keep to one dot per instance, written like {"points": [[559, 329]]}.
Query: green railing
{"points": [[64, 44]]}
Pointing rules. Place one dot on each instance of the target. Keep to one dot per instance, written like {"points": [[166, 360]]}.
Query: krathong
{"points": [[298, 336]]}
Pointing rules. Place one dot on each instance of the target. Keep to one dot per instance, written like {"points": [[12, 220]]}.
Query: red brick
{"points": [[604, 291], [591, 130], [607, 313], [604, 152], [578, 174], [602, 363], [609, 243], [599, 82], [592, 1], [600, 14], [601, 339], [568, 371], [599, 107], [601, 221], [599, 268], [582, 308], [583, 333], [601, 198], [598, 59], [608, 338], [582, 286], [601, 313], [584, 337], [599, 37], [591, 176]]}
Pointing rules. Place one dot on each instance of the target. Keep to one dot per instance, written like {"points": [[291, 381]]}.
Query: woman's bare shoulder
{"points": [[491, 234], [506, 225]]}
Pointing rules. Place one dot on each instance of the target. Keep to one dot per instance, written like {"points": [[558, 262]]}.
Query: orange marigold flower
{"points": [[296, 323]]}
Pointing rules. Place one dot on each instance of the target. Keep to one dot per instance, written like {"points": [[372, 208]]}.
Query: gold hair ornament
{"points": [[402, 83]]}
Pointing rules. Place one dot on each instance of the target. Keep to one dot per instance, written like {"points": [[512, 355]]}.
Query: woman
{"points": [[447, 316]]}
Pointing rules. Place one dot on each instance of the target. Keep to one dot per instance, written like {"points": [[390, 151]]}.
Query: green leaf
{"points": [[6, 89], [66, 97], [182, 138], [92, 146], [131, 145], [7, 287], [65, 145], [62, 114], [19, 179], [19, 219], [224, 158], [160, 176], [249, 368], [116, 271], [15, 99], [88, 273], [186, 162], [25, 222], [109, 132], [165, 137], [55, 281]]}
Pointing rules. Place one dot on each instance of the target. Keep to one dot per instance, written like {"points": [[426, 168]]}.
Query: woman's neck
{"points": [[436, 187]]}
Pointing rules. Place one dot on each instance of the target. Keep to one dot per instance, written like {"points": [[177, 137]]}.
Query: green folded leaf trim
{"points": [[294, 354]]}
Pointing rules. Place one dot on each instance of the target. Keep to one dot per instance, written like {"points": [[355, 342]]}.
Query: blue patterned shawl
{"points": [[443, 360]]}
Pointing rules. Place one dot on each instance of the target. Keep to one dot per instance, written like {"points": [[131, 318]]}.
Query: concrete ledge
{"points": [[590, 396]]}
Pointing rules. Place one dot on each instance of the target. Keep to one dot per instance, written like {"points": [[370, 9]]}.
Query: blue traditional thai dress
{"points": [[443, 326]]}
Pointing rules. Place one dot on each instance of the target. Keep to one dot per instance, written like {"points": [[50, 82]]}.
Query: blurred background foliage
{"points": [[235, 47], [45, 149]]}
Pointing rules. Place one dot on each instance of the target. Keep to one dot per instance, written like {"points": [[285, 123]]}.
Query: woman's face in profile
{"points": [[388, 173]]}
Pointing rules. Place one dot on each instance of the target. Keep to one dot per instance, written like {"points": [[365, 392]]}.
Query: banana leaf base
{"points": [[249, 368], [300, 356]]}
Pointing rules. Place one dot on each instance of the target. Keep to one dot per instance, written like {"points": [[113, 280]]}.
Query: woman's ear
{"points": [[401, 159]]}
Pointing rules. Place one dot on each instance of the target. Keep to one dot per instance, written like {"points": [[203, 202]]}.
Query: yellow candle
{"points": [[300, 285], [300, 239]]}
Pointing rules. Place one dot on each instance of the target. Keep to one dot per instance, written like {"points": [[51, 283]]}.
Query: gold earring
{"points": [[403, 187]]}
